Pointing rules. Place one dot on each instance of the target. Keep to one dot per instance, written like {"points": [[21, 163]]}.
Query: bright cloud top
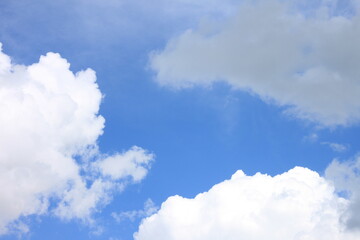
{"points": [[297, 205], [49, 126], [304, 59]]}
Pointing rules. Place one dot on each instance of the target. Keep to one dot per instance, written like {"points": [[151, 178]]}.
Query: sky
{"points": [[179, 119]]}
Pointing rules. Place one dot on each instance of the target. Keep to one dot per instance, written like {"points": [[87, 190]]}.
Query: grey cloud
{"points": [[309, 64], [346, 178]]}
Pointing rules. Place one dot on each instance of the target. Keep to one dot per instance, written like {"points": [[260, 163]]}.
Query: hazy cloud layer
{"points": [[298, 204], [88, 24], [302, 57], [49, 126]]}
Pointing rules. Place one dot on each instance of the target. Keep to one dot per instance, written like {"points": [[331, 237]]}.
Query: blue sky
{"points": [[203, 89]]}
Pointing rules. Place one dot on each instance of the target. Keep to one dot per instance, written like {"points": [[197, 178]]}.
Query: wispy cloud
{"points": [[313, 137], [149, 209], [336, 147]]}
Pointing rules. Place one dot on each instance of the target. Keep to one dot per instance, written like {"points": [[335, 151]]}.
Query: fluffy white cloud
{"points": [[298, 205], [49, 125], [133, 163], [304, 59]]}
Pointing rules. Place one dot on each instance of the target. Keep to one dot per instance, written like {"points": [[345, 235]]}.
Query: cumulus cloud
{"points": [[49, 125], [298, 204], [302, 57]]}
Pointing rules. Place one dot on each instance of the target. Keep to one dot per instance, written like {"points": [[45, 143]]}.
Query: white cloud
{"points": [[133, 163], [149, 209], [49, 125], [304, 59], [298, 204]]}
